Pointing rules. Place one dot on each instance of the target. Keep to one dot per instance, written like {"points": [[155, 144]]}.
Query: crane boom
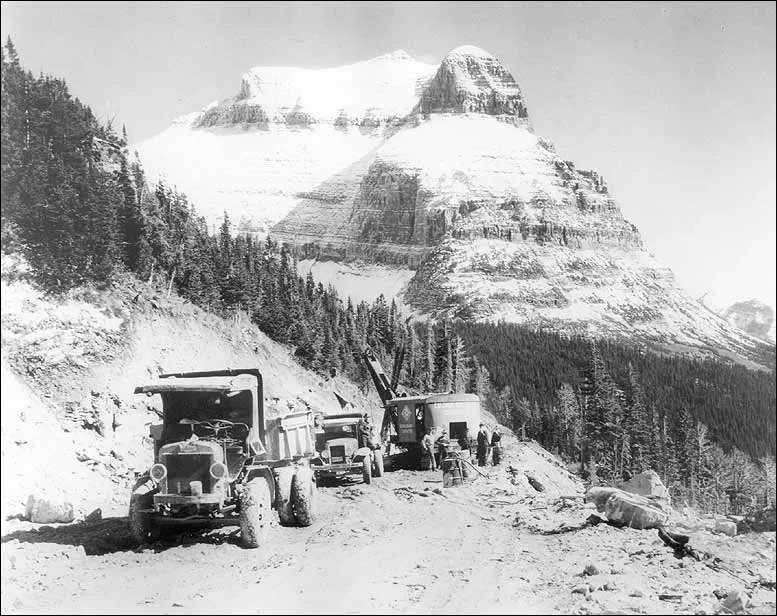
{"points": [[379, 377]]}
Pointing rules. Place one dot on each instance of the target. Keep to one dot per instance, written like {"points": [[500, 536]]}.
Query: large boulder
{"points": [[648, 484], [43, 510], [626, 508], [727, 527]]}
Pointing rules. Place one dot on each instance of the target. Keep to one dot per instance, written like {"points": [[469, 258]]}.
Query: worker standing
{"points": [[496, 446], [427, 447], [482, 450], [443, 443]]}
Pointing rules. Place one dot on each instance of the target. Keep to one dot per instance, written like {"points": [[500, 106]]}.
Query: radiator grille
{"points": [[337, 453], [185, 467]]}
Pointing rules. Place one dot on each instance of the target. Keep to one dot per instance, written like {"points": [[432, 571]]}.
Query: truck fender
{"points": [[361, 453], [254, 472]]}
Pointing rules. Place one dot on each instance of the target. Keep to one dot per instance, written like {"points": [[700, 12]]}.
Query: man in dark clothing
{"points": [[443, 443], [427, 447], [496, 446], [482, 450]]}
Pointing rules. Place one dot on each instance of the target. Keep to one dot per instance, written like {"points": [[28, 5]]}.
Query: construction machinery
{"points": [[406, 418], [218, 460]]}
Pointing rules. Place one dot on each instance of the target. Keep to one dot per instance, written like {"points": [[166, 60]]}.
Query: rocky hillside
{"points": [[433, 178], [70, 419]]}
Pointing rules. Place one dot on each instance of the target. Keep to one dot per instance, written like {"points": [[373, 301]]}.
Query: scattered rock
{"points": [[580, 590], [591, 569], [47, 511], [626, 508], [535, 483], [735, 601], [726, 526]]}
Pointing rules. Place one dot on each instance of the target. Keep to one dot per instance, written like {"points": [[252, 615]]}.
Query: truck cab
{"points": [[345, 446]]}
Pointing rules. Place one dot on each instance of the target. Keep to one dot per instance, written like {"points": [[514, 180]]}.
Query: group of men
{"points": [[485, 446]]}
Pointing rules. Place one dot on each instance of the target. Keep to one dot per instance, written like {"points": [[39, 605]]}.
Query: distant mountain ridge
{"points": [[753, 316]]}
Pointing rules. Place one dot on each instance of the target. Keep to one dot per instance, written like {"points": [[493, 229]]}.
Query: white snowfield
{"points": [[383, 87], [259, 172]]}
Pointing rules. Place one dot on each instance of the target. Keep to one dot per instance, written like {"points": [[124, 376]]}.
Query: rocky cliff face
{"points": [[434, 172], [470, 80]]}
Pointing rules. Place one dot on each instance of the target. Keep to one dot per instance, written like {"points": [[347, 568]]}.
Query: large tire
{"points": [[367, 470], [378, 471], [283, 502], [303, 496], [140, 522], [255, 508]]}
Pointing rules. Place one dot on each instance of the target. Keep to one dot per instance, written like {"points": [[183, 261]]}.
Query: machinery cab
{"points": [[410, 416]]}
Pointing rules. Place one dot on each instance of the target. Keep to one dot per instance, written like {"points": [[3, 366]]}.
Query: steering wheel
{"points": [[217, 424]]}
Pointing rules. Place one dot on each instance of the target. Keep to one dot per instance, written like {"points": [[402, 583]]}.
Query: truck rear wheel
{"points": [[255, 509], [283, 502], [303, 496], [367, 470], [378, 472], [140, 522]]}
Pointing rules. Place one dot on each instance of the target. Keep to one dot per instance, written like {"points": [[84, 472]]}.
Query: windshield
{"points": [[188, 406]]}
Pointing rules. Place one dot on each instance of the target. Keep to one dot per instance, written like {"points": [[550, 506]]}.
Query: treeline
{"points": [[79, 208], [706, 427]]}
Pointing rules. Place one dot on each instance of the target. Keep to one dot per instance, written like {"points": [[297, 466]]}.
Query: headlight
{"points": [[218, 470], [158, 472]]}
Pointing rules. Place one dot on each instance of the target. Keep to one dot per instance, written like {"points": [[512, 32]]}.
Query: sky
{"points": [[673, 103]]}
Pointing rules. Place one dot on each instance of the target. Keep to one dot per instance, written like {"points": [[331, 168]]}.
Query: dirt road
{"points": [[403, 544]]}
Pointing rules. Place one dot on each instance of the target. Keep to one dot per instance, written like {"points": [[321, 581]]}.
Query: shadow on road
{"points": [[112, 535]]}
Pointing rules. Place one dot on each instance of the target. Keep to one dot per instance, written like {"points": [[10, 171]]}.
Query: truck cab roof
{"points": [[221, 384]]}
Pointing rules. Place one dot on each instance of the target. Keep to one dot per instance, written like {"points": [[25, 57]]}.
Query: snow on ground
{"points": [[252, 171], [360, 282], [475, 156]]}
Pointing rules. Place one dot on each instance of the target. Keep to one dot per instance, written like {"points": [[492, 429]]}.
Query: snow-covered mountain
{"points": [[755, 317], [428, 183], [285, 131]]}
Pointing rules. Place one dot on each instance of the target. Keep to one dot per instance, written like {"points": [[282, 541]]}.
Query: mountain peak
{"points": [[469, 50], [399, 54], [471, 80]]}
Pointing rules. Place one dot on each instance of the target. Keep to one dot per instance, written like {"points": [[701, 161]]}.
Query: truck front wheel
{"points": [[255, 507], [140, 522], [367, 470], [378, 472], [303, 496], [283, 502]]}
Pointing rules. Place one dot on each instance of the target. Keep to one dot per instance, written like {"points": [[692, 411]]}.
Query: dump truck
{"points": [[219, 460], [406, 418], [345, 448]]}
